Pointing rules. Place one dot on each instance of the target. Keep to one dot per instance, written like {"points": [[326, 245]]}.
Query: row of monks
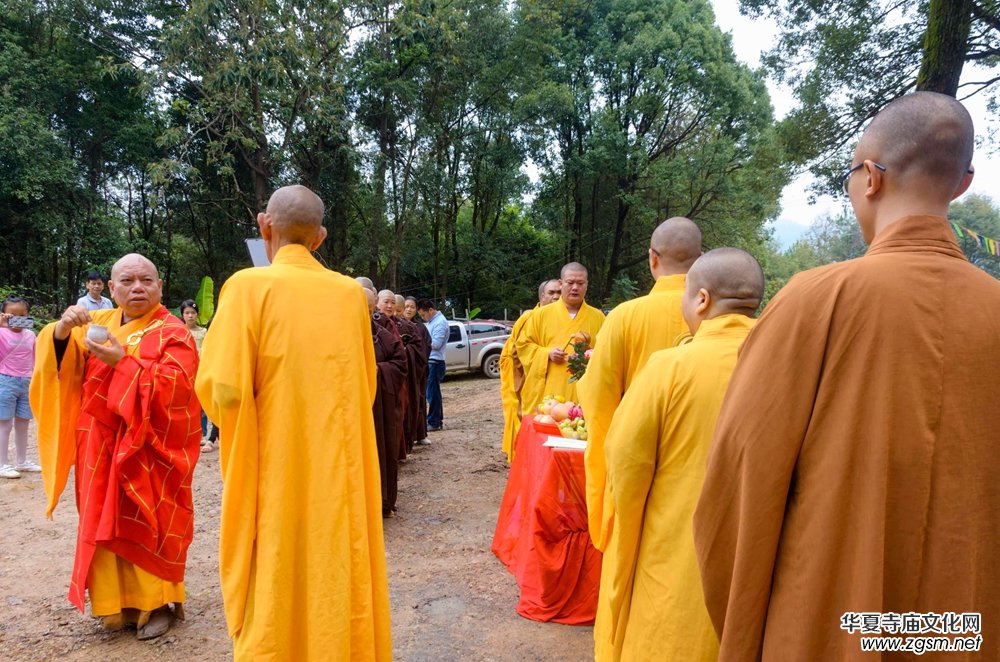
{"points": [[402, 350], [754, 483]]}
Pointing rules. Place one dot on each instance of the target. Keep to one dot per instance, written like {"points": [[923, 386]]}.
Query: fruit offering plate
{"points": [[566, 444]]}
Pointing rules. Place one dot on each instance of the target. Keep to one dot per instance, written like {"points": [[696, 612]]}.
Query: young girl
{"points": [[189, 313], [17, 359]]}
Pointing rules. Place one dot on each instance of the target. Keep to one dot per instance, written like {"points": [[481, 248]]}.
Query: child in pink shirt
{"points": [[17, 359]]}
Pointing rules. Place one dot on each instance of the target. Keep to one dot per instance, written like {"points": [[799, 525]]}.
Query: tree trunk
{"points": [[945, 46], [626, 185]]}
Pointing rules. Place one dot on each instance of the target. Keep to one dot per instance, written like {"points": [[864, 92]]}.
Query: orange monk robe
{"points": [[547, 328], [511, 381], [651, 605], [301, 552], [133, 434], [854, 466], [633, 331]]}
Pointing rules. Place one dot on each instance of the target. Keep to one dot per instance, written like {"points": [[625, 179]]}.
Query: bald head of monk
{"points": [[371, 298], [387, 303], [722, 281], [135, 286], [573, 281], [294, 216], [365, 282], [914, 158], [674, 246], [400, 305], [548, 292]]}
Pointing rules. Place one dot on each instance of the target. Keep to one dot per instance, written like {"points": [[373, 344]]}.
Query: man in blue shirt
{"points": [[437, 326], [93, 299]]}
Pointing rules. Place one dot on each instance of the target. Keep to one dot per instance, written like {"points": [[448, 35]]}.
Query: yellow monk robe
{"points": [[511, 382], [288, 373], [632, 332], [653, 607], [132, 432], [549, 327]]}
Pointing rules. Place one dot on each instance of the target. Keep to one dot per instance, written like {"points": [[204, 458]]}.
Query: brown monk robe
{"points": [[417, 353], [386, 305], [854, 467], [420, 415], [390, 359]]}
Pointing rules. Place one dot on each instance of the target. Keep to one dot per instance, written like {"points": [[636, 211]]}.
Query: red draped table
{"points": [[541, 533]]}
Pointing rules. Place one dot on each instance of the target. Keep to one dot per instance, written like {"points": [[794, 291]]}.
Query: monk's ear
{"points": [[264, 223], [874, 178], [703, 302], [320, 238], [966, 182]]}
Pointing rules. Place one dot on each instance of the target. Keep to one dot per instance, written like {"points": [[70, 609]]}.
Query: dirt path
{"points": [[451, 598]]}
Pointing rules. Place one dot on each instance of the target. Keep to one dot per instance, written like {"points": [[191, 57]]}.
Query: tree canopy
{"points": [[465, 150], [846, 59]]}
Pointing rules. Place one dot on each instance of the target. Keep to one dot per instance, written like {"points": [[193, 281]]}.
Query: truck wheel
{"points": [[491, 365]]}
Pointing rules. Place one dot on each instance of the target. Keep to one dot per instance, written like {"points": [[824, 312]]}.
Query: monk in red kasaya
{"points": [[114, 395]]}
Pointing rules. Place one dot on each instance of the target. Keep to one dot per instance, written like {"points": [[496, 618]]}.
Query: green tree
{"points": [[77, 123], [981, 214], [835, 238], [257, 100], [847, 59], [652, 117]]}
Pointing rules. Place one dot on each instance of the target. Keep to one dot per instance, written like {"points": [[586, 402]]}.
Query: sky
{"points": [[750, 39]]}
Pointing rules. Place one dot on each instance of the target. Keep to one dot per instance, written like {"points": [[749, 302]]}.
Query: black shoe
{"points": [[437, 429]]}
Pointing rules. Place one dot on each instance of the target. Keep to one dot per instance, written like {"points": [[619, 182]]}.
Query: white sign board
{"points": [[258, 253]]}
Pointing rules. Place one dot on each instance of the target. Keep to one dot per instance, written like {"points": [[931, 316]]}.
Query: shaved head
{"points": [[572, 267], [135, 286], [296, 213], [133, 259], [733, 278], [924, 139], [387, 303], [677, 243], [370, 297], [548, 291], [573, 285], [366, 283]]}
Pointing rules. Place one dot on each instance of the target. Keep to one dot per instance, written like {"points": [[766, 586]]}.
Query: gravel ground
{"points": [[451, 598]]}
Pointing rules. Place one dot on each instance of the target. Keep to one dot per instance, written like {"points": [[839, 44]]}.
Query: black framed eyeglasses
{"points": [[846, 177]]}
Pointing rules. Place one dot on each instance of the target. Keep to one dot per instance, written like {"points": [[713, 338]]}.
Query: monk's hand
{"points": [[557, 355], [110, 353], [73, 317]]}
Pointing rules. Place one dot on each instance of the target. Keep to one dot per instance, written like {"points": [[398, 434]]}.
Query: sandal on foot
{"points": [[157, 625]]}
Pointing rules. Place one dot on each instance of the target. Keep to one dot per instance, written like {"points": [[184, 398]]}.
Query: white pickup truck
{"points": [[475, 346]]}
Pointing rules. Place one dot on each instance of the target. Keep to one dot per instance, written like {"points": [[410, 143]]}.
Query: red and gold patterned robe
{"points": [[133, 434]]}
